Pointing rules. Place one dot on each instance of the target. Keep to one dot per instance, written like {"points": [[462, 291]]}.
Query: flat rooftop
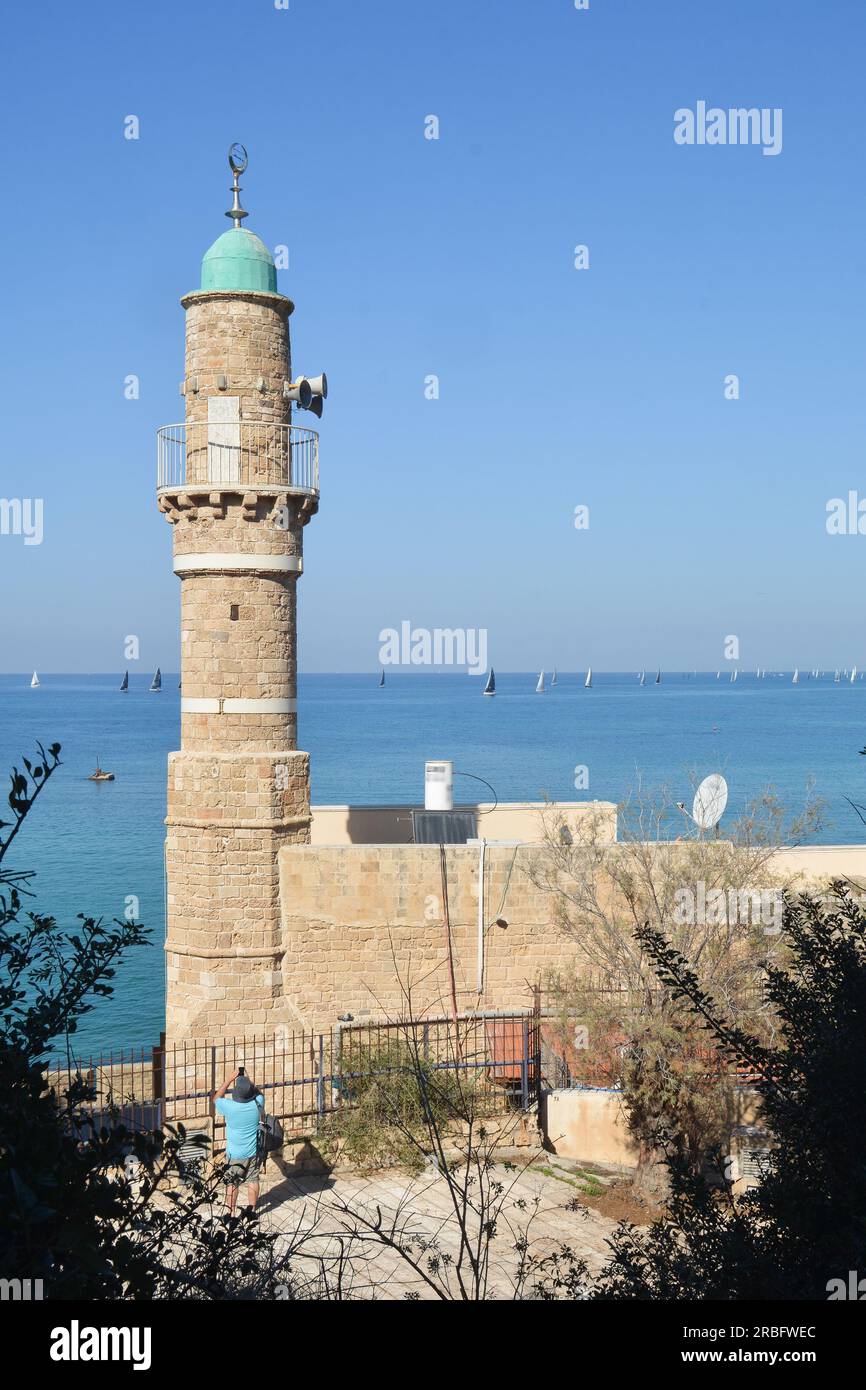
{"points": [[518, 822]]}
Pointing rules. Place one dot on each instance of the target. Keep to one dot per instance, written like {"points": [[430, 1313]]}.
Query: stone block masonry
{"points": [[238, 789], [363, 923]]}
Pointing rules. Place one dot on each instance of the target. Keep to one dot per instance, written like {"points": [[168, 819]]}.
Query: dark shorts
{"points": [[241, 1170]]}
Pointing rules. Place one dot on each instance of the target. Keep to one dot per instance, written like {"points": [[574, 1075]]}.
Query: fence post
{"points": [[538, 1041], [157, 1082], [320, 1080], [211, 1106], [337, 1068], [524, 1067], [158, 1068]]}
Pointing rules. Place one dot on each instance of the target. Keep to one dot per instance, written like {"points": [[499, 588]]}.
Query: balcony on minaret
{"points": [[237, 455]]}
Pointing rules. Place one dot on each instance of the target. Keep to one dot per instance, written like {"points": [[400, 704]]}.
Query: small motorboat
{"points": [[97, 775]]}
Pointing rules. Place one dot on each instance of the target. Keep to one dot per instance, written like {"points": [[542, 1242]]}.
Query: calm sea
{"points": [[94, 846]]}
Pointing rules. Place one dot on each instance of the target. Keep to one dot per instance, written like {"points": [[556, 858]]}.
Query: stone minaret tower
{"points": [[238, 483]]}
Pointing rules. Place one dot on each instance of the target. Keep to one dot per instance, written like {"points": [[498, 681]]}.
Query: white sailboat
{"points": [[539, 689], [490, 687], [836, 677], [34, 684], [733, 675], [796, 678], [853, 674], [642, 680], [553, 678], [587, 684]]}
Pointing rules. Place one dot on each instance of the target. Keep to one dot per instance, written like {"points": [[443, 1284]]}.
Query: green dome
{"points": [[239, 260]]}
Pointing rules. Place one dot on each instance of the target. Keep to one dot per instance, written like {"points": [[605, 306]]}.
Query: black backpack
{"points": [[270, 1135]]}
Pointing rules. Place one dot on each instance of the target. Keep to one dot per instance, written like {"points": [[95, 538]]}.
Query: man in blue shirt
{"points": [[242, 1111]]}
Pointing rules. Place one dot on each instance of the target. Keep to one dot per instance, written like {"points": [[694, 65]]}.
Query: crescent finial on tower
{"points": [[237, 163]]}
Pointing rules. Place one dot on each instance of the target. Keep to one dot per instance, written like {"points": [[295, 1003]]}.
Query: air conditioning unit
{"points": [[439, 786]]}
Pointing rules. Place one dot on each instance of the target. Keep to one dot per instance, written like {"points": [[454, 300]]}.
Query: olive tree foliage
{"points": [[718, 900]]}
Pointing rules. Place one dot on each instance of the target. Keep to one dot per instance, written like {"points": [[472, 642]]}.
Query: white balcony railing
{"points": [[241, 452]]}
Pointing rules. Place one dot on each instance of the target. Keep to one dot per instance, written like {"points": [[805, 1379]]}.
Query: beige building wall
{"points": [[820, 864], [589, 1126], [364, 925]]}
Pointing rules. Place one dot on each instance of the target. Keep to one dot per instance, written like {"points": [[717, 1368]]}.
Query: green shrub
{"points": [[394, 1100]]}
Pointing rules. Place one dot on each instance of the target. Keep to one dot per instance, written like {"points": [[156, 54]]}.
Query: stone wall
{"points": [[363, 922], [360, 921], [245, 338], [238, 642]]}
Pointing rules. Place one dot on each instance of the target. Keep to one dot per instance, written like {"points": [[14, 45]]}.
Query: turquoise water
{"points": [[95, 845]]}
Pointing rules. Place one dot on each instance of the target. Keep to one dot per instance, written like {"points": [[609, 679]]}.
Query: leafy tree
{"points": [[804, 1225], [719, 902]]}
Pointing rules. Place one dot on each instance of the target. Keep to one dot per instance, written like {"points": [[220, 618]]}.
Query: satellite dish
{"points": [[710, 801]]}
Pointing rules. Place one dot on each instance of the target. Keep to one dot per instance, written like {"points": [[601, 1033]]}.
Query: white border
{"points": [[194, 705], [213, 560]]}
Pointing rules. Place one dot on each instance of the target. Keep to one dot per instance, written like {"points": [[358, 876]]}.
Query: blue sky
{"points": [[412, 257]]}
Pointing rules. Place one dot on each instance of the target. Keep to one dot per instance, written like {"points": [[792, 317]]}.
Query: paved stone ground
{"points": [[539, 1204]]}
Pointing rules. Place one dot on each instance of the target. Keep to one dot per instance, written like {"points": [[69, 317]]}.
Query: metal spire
{"points": [[237, 164]]}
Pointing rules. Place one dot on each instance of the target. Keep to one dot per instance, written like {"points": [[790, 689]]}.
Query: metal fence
{"points": [[237, 452], [306, 1077]]}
